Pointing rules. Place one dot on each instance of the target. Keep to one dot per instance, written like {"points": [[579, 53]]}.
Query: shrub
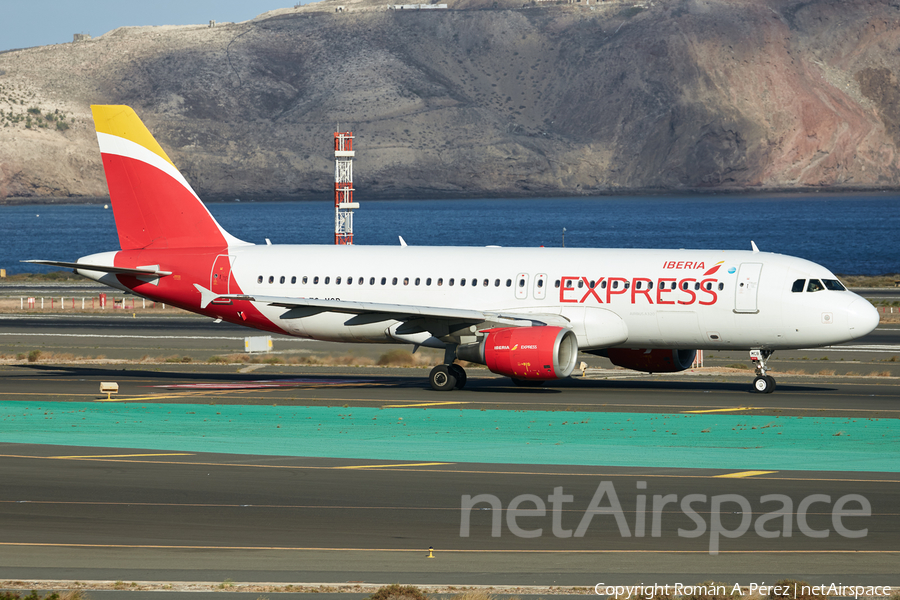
{"points": [[397, 358], [788, 586], [398, 592], [34, 356], [712, 588]]}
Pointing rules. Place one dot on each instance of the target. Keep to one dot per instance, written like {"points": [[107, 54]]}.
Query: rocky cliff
{"points": [[480, 99]]}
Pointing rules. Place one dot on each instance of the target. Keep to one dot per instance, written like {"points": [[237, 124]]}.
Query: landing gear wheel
{"points": [[441, 379], [763, 385], [533, 383], [460, 374]]}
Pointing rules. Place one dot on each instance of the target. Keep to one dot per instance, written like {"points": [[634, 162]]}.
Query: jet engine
{"points": [[525, 353], [652, 361]]}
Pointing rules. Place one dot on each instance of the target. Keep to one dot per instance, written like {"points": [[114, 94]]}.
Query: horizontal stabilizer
{"points": [[101, 268]]}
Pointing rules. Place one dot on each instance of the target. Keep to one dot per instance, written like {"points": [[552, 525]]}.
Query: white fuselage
{"points": [[747, 302]]}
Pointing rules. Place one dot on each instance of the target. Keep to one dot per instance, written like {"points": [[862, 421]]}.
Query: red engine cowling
{"points": [[652, 361], [533, 353]]}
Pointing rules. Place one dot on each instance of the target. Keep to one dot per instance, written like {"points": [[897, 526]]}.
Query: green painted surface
{"points": [[416, 434]]}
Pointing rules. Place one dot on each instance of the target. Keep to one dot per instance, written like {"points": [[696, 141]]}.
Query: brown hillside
{"points": [[486, 98]]}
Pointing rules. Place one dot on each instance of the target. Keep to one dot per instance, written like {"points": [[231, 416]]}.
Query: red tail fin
{"points": [[154, 205]]}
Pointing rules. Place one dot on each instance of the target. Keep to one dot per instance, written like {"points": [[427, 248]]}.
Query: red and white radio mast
{"points": [[343, 188]]}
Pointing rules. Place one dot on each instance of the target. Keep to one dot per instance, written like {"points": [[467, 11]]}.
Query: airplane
{"points": [[525, 313]]}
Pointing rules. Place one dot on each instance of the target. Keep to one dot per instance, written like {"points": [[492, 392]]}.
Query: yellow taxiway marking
{"points": [[741, 474], [431, 464], [455, 551], [191, 394], [124, 455], [722, 409], [420, 404], [527, 473]]}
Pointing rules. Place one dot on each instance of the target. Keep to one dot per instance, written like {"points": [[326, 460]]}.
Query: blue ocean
{"points": [[849, 234]]}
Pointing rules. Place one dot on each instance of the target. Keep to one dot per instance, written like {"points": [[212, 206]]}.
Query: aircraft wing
{"points": [[150, 271], [401, 312]]}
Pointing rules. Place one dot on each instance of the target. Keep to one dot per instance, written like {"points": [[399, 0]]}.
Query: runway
{"points": [[201, 472]]}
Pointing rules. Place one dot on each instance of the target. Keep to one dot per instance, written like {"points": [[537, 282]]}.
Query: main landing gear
{"points": [[444, 378], [763, 384]]}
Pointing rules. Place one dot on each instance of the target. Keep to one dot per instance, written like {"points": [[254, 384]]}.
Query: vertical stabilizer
{"points": [[154, 205]]}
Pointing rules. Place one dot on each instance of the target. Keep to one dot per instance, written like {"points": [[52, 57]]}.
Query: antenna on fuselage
{"points": [[753, 245]]}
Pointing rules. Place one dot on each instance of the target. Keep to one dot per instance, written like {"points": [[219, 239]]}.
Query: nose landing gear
{"points": [[763, 384]]}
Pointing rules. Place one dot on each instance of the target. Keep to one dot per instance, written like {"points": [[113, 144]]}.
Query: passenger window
{"points": [[697, 286], [496, 283], [361, 280], [603, 285], [556, 284], [522, 282], [349, 281], [337, 280], [418, 280], [383, 280], [281, 280], [450, 282], [316, 279], [708, 285], [371, 281], [294, 279], [440, 281], [798, 285], [721, 286], [815, 286], [406, 281], [649, 285], [580, 283], [684, 285], [394, 281], [259, 279], [305, 280], [508, 282], [834, 285], [615, 285], [627, 284], [540, 283], [271, 279], [462, 281], [486, 283], [428, 281], [327, 280]]}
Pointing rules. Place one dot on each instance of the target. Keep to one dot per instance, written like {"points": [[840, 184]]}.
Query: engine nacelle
{"points": [[652, 361], [533, 353]]}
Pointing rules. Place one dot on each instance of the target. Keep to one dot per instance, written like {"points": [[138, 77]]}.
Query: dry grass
{"points": [[880, 374], [825, 372], [475, 595], [869, 281]]}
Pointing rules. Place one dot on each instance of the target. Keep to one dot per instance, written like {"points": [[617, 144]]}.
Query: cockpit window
{"points": [[814, 285], [834, 285], [798, 285]]}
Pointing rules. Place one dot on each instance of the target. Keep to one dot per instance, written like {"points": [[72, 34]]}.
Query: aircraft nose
{"points": [[862, 318]]}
